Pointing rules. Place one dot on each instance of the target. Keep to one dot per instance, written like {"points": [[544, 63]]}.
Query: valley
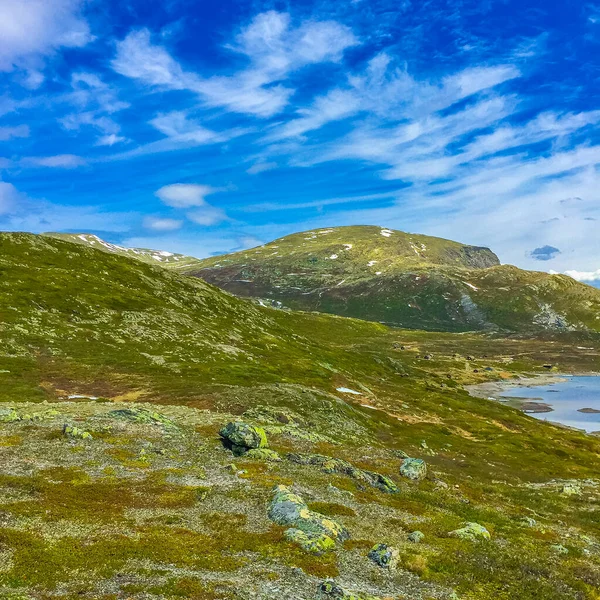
{"points": [[118, 377]]}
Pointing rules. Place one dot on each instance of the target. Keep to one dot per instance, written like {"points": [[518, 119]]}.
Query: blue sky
{"points": [[205, 127]]}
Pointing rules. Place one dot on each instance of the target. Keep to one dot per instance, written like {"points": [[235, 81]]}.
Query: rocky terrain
{"points": [[163, 439], [404, 280]]}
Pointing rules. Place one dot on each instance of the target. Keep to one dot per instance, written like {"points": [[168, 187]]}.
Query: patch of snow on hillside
{"points": [[340, 283], [346, 390], [165, 253], [471, 285], [386, 232], [377, 272], [371, 263], [333, 256], [324, 231], [348, 246]]}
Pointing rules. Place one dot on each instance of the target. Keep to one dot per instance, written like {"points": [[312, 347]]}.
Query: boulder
{"points": [[242, 436], [332, 591], [471, 532], [290, 510], [413, 468], [384, 556], [313, 543]]}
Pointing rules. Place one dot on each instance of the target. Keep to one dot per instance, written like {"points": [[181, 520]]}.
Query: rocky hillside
{"points": [[170, 260], [404, 280], [161, 439]]}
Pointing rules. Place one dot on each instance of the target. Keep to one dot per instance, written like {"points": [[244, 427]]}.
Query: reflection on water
{"points": [[567, 399]]}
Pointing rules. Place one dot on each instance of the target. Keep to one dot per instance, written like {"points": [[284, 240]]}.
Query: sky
{"points": [[202, 127]]}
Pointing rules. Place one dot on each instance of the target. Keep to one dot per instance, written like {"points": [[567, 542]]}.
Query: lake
{"points": [[561, 401]]}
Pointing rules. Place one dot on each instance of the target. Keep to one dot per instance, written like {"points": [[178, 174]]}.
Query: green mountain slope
{"points": [[169, 260], [404, 280], [116, 377]]}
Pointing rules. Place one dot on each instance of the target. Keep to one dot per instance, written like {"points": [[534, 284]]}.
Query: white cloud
{"points": [[20, 131], [111, 140], [184, 195], [584, 275], [162, 224], [60, 161], [272, 46], [9, 198], [31, 29], [207, 215], [261, 167]]}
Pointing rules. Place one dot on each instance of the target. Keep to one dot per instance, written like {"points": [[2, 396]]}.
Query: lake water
{"points": [[566, 399]]}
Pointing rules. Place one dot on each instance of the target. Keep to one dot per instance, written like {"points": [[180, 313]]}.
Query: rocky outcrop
{"points": [[384, 556], [242, 437], [328, 464]]}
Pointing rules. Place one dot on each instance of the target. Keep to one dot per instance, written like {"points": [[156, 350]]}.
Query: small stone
{"points": [[313, 543], [244, 435], [142, 415], [559, 549], [413, 468], [384, 556], [400, 453], [416, 537], [331, 590], [471, 532], [263, 454]]}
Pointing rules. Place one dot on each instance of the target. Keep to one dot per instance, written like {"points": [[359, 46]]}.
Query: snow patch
{"points": [[348, 246], [371, 263], [470, 285], [346, 390], [333, 256], [386, 232]]}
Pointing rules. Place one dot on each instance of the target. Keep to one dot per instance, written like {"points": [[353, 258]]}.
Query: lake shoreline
{"points": [[499, 391]]}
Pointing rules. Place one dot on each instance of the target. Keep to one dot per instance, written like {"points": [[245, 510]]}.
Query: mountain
{"points": [[404, 280], [121, 478], [169, 260]]}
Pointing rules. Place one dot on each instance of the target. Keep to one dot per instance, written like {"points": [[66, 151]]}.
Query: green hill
{"points": [[169, 260], [404, 280], [116, 377]]}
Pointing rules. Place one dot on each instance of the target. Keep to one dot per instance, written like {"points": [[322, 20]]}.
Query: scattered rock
{"points": [[242, 437], [73, 432], [416, 537], [384, 556], [413, 468], [331, 590], [290, 509], [472, 532], [8, 415], [343, 467], [141, 415], [571, 489], [529, 521], [313, 543], [400, 454], [263, 454]]}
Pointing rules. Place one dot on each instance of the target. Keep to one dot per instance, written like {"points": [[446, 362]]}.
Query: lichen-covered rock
{"points": [[384, 556], [73, 432], [332, 591], [413, 468], [559, 549], [263, 454], [314, 543], [472, 532], [244, 436], [571, 489], [416, 537], [141, 415], [290, 510], [8, 415], [329, 464]]}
